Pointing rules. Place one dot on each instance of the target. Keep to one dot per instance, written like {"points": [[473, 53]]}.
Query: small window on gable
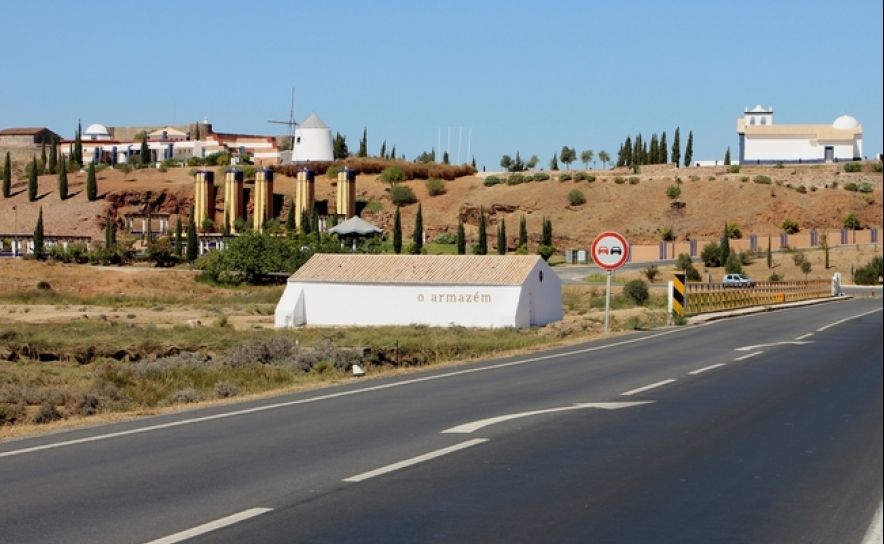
{"points": [[764, 120], [752, 120]]}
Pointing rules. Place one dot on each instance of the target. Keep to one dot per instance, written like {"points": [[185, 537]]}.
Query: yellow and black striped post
{"points": [[679, 302]]}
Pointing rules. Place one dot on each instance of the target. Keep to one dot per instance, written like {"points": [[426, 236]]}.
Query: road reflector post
{"points": [[679, 300]]}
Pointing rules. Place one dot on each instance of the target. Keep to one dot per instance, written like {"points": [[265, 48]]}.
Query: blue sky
{"points": [[502, 77]]}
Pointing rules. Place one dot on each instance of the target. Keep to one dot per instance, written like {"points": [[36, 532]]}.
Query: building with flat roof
{"points": [[763, 142]]}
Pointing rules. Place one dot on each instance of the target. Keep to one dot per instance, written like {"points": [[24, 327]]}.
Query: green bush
{"points": [[637, 290], [733, 265], [565, 176], [744, 179], [445, 238], [875, 167], [619, 180], [633, 180], [392, 174], [540, 176], [764, 180], [491, 180], [851, 222], [870, 273], [651, 272], [711, 255], [733, 231], [436, 186], [581, 176], [735, 169], [865, 187], [667, 234], [402, 194], [517, 179], [576, 197], [851, 186], [801, 189], [673, 191], [853, 167], [789, 226], [775, 277]]}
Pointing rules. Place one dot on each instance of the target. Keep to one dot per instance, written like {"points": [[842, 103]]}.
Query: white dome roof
{"points": [[845, 122], [96, 130]]}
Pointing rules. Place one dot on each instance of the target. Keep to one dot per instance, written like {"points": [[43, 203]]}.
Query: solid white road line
{"points": [[336, 395], [846, 319], [467, 428], [211, 526], [753, 354], [648, 387], [414, 460], [705, 368], [875, 534], [802, 337]]}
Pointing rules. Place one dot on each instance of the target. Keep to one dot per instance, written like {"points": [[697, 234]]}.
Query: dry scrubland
{"points": [[95, 344]]}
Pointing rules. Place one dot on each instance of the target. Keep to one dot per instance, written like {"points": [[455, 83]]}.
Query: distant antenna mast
{"points": [[291, 123]]}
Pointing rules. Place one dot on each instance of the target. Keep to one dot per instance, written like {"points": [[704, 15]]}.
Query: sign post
{"points": [[610, 251]]}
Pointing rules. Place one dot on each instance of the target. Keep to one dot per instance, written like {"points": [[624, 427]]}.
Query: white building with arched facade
{"points": [[763, 142]]}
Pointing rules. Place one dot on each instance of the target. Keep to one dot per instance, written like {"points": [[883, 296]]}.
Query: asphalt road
{"points": [[762, 429]]}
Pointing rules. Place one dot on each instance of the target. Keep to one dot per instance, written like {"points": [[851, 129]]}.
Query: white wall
{"points": [[315, 145], [794, 148]]}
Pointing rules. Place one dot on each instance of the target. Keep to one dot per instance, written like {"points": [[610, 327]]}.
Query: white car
{"points": [[737, 280]]}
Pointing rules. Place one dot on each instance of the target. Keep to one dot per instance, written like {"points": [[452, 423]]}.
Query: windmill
{"points": [[292, 124]]}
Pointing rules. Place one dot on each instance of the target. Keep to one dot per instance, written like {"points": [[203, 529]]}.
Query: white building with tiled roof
{"points": [[435, 290], [763, 142]]}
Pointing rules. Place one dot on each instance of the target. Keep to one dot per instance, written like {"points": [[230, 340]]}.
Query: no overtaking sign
{"points": [[610, 250]]}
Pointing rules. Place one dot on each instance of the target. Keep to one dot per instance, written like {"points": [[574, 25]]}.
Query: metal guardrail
{"points": [[715, 297]]}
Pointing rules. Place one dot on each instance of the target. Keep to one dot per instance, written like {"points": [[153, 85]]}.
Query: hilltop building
{"points": [[763, 142], [312, 142], [435, 290]]}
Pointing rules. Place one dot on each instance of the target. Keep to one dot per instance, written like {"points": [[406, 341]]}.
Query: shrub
{"points": [[435, 186], [864, 187], [869, 274], [565, 176], [798, 258], [43, 285], [667, 235], [491, 180], [851, 186], [392, 174], [651, 272], [764, 180], [734, 169], [226, 390], [691, 273], [633, 180], [402, 194], [733, 265], [683, 261], [711, 255], [875, 167], [733, 231], [581, 176], [746, 257], [673, 192], [445, 238], [540, 176], [619, 180], [851, 222], [576, 197], [517, 179], [853, 167], [775, 277], [637, 290], [789, 226], [744, 179], [694, 177], [801, 189], [779, 165]]}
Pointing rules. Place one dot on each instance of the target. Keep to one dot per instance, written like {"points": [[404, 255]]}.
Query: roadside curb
{"points": [[705, 318]]}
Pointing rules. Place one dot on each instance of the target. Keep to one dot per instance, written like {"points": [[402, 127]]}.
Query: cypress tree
{"points": [[314, 221], [689, 149], [418, 235], [108, 230], [664, 152], [305, 221], [501, 237], [290, 218], [193, 249], [727, 156], [53, 156], [44, 162], [655, 150], [546, 235], [32, 180], [461, 239], [144, 158], [676, 148], [77, 152], [179, 242], [332, 221], [91, 184], [725, 245], [225, 227], [523, 232], [397, 232], [553, 164], [483, 237], [363, 144], [7, 176], [63, 182], [38, 235]]}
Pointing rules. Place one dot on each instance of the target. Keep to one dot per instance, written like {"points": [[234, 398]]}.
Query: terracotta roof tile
{"points": [[432, 269]]}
